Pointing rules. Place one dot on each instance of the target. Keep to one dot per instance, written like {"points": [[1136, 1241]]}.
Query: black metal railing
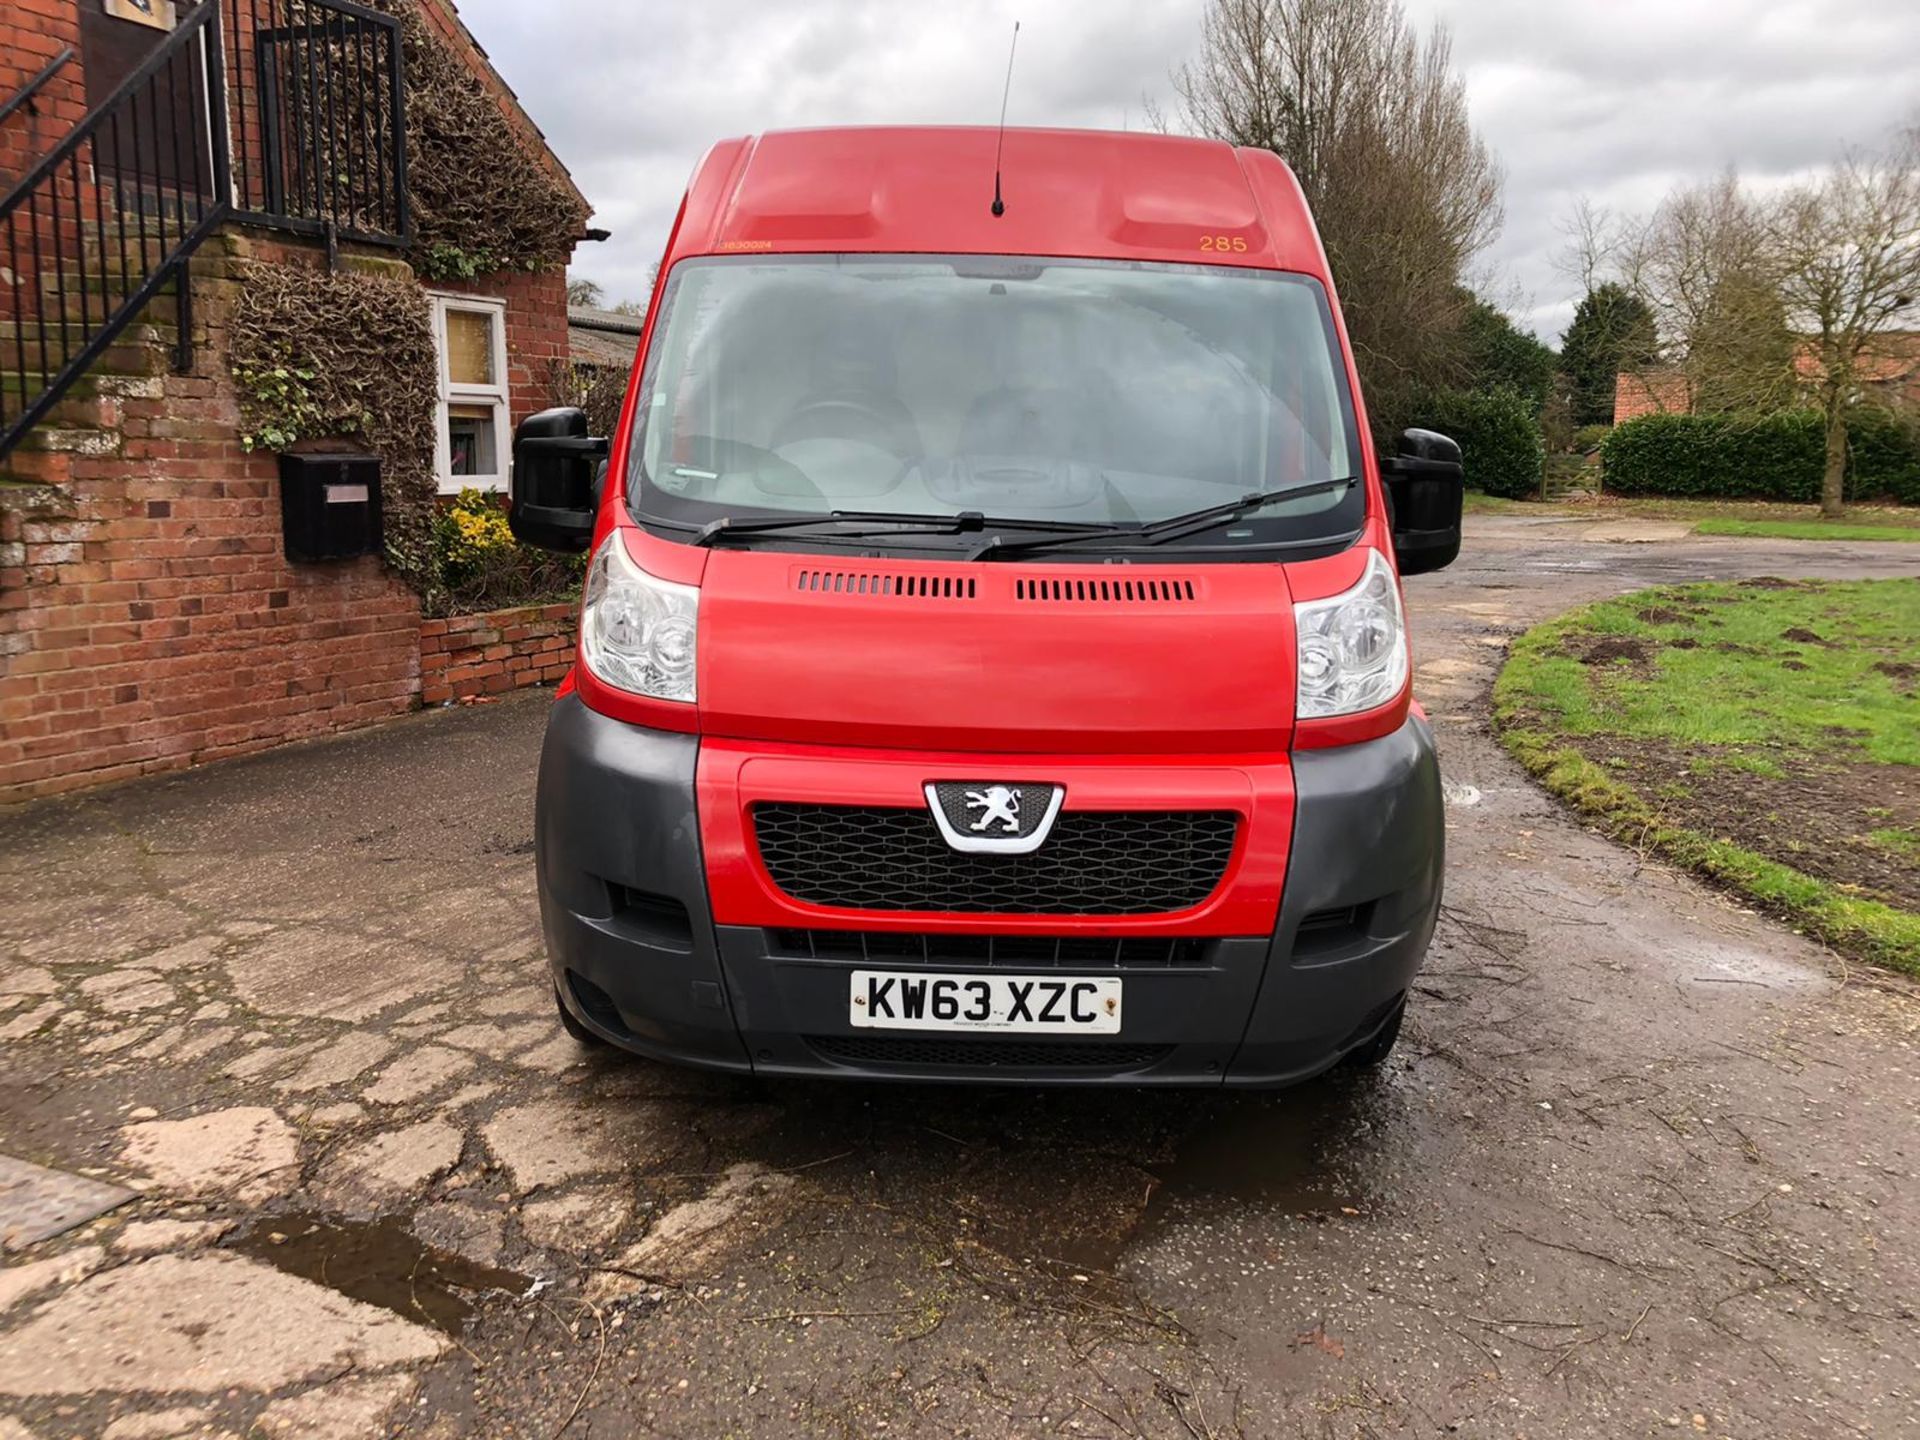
{"points": [[25, 94], [108, 218], [320, 103], [106, 221]]}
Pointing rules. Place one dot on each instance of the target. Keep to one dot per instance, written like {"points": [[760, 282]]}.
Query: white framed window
{"points": [[471, 448]]}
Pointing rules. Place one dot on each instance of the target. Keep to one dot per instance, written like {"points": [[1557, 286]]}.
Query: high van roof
{"points": [[929, 190]]}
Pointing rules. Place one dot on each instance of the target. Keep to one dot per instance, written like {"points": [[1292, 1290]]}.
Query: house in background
{"points": [[1892, 371], [1650, 392], [601, 345], [150, 152], [603, 339]]}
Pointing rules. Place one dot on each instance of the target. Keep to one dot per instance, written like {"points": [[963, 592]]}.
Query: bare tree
{"points": [[1704, 264], [585, 292], [1373, 121], [1597, 243], [1848, 252]]}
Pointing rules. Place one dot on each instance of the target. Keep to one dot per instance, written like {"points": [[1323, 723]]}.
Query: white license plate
{"points": [[1017, 1004]]}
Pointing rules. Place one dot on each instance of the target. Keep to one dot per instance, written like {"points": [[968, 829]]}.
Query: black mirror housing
{"points": [[1426, 491], [558, 470]]}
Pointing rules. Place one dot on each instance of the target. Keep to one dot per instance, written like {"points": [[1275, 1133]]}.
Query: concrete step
{"points": [[135, 361], [106, 250], [160, 317], [72, 284], [18, 391], [78, 409], [156, 327], [137, 350], [74, 437]]}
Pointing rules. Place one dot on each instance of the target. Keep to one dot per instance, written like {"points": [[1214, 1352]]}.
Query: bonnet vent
{"points": [[881, 587], [1108, 592]]}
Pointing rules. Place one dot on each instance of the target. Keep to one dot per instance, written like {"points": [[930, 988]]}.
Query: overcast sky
{"points": [[1615, 99]]}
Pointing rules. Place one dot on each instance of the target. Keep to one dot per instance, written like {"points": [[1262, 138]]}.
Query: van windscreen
{"points": [[1053, 391]]}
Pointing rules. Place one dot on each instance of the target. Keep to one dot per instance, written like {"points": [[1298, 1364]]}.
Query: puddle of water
{"points": [[1300, 1152], [1071, 1181], [380, 1262], [1296, 1151]]}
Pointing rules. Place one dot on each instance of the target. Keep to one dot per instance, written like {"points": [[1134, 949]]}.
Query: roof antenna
{"points": [[999, 205]]}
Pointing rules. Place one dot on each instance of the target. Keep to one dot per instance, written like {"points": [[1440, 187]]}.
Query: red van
{"points": [[993, 663]]}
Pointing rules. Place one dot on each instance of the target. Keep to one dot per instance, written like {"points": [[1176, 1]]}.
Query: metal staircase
{"points": [[104, 224], [107, 219]]}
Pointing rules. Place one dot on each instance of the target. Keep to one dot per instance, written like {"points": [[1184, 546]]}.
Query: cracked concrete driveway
{"points": [[1643, 1163]]}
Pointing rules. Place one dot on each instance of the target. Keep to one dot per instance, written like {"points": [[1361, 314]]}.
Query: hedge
{"points": [[1772, 457], [1500, 443]]}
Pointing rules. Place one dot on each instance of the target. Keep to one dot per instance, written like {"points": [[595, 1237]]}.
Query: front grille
{"points": [[1111, 1056], [1096, 862], [1141, 952]]}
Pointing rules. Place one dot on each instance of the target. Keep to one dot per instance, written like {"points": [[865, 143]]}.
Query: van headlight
{"points": [[1352, 647], [638, 633]]}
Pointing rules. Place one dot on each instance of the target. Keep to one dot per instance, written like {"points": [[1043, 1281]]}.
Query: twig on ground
{"points": [[1631, 1266], [1634, 1329], [1133, 1430], [1574, 1345], [1492, 1359], [593, 1374], [773, 1317]]}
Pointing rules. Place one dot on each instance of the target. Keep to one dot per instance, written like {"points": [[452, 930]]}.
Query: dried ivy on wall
{"points": [[346, 356], [600, 390], [480, 201]]}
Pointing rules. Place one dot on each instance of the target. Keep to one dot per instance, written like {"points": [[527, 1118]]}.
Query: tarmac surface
{"points": [[1643, 1164]]}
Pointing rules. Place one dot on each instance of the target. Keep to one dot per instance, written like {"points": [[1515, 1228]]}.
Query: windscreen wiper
{"points": [[1160, 532], [729, 526]]}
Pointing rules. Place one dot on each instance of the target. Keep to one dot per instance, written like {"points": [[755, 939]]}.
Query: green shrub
{"points": [[1656, 455], [1499, 439], [484, 568], [1883, 457], [1770, 457]]}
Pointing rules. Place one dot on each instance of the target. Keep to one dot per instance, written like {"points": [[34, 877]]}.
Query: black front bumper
{"points": [[638, 960]]}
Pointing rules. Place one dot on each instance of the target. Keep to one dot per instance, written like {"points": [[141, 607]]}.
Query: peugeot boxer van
{"points": [[993, 664]]}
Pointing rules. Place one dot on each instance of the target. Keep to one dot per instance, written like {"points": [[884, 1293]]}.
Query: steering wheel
{"points": [[831, 419]]}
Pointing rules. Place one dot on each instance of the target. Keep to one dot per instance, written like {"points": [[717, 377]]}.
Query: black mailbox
{"points": [[330, 506]]}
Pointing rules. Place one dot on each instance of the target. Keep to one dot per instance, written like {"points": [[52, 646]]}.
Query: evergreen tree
{"points": [[1612, 330], [1495, 353]]}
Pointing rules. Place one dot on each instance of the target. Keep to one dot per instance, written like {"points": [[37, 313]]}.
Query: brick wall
{"points": [[149, 619], [470, 655], [1658, 392], [32, 32], [148, 616]]}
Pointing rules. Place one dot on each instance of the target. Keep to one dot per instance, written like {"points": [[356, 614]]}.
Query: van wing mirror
{"points": [[558, 472], [1426, 488]]}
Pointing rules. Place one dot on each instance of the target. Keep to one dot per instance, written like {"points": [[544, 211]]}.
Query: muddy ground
{"points": [[1643, 1164], [1826, 809]]}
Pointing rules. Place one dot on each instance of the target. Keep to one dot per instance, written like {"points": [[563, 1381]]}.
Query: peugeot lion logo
{"points": [[985, 817], [1000, 804]]}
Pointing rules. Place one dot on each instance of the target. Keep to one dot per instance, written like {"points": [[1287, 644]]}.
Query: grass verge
{"points": [[1765, 735], [1756, 518], [1843, 529]]}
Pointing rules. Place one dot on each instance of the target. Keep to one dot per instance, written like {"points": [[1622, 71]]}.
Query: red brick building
{"points": [[1651, 392], [149, 616], [1892, 370]]}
